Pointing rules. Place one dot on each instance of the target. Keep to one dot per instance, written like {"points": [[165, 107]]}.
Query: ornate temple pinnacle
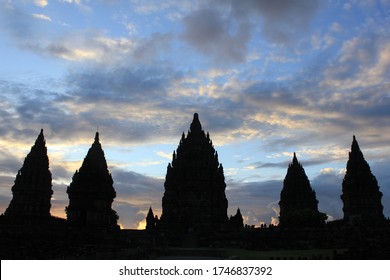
{"points": [[97, 136], [40, 138], [355, 145], [295, 160], [195, 125]]}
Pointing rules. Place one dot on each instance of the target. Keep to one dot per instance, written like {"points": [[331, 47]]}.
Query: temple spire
{"points": [[298, 203], [361, 196], [91, 192], [194, 197], [32, 190]]}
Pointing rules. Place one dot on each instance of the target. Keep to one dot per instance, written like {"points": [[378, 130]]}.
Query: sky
{"points": [[268, 78]]}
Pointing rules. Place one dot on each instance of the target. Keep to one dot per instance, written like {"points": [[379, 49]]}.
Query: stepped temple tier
{"points": [[361, 196], [194, 199], [91, 192], [32, 190], [298, 203]]}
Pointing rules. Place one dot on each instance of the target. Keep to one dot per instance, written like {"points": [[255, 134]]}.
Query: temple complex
{"points": [[194, 198], [194, 220], [32, 190], [361, 196], [91, 192], [298, 203]]}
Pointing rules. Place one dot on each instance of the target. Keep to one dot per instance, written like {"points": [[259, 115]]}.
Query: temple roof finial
{"points": [[97, 136], [40, 138], [195, 125], [355, 145], [295, 160]]}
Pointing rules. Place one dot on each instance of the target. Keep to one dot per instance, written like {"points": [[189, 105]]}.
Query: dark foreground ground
{"points": [[56, 240]]}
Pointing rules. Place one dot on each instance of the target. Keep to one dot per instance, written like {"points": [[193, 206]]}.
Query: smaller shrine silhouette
{"points": [[32, 190], [91, 192], [298, 202], [360, 191], [236, 221], [151, 220]]}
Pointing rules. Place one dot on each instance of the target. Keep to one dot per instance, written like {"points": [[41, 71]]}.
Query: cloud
{"points": [[42, 17], [223, 29], [135, 194], [282, 20], [260, 198], [209, 32], [17, 23], [41, 3]]}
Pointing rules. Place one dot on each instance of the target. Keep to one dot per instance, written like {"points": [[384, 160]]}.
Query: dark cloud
{"points": [[223, 29], [210, 32], [8, 163], [16, 23], [129, 184], [328, 190], [120, 84], [257, 200], [135, 194], [284, 21], [149, 48]]}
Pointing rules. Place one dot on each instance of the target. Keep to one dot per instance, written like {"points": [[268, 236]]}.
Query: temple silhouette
{"points": [[194, 220], [298, 203], [361, 196], [194, 198], [32, 190], [91, 192]]}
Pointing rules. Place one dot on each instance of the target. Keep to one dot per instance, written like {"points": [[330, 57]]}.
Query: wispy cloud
{"points": [[41, 3], [42, 17]]}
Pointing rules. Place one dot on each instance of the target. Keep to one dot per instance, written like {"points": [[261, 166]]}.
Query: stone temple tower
{"points": [[91, 192], [32, 190], [361, 196], [194, 198], [298, 203]]}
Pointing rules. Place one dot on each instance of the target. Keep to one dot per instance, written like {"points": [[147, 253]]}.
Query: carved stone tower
{"points": [[194, 198], [361, 196], [91, 192], [32, 189], [298, 203]]}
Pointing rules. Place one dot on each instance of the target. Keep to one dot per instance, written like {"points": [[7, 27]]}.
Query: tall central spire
{"points": [[194, 198]]}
